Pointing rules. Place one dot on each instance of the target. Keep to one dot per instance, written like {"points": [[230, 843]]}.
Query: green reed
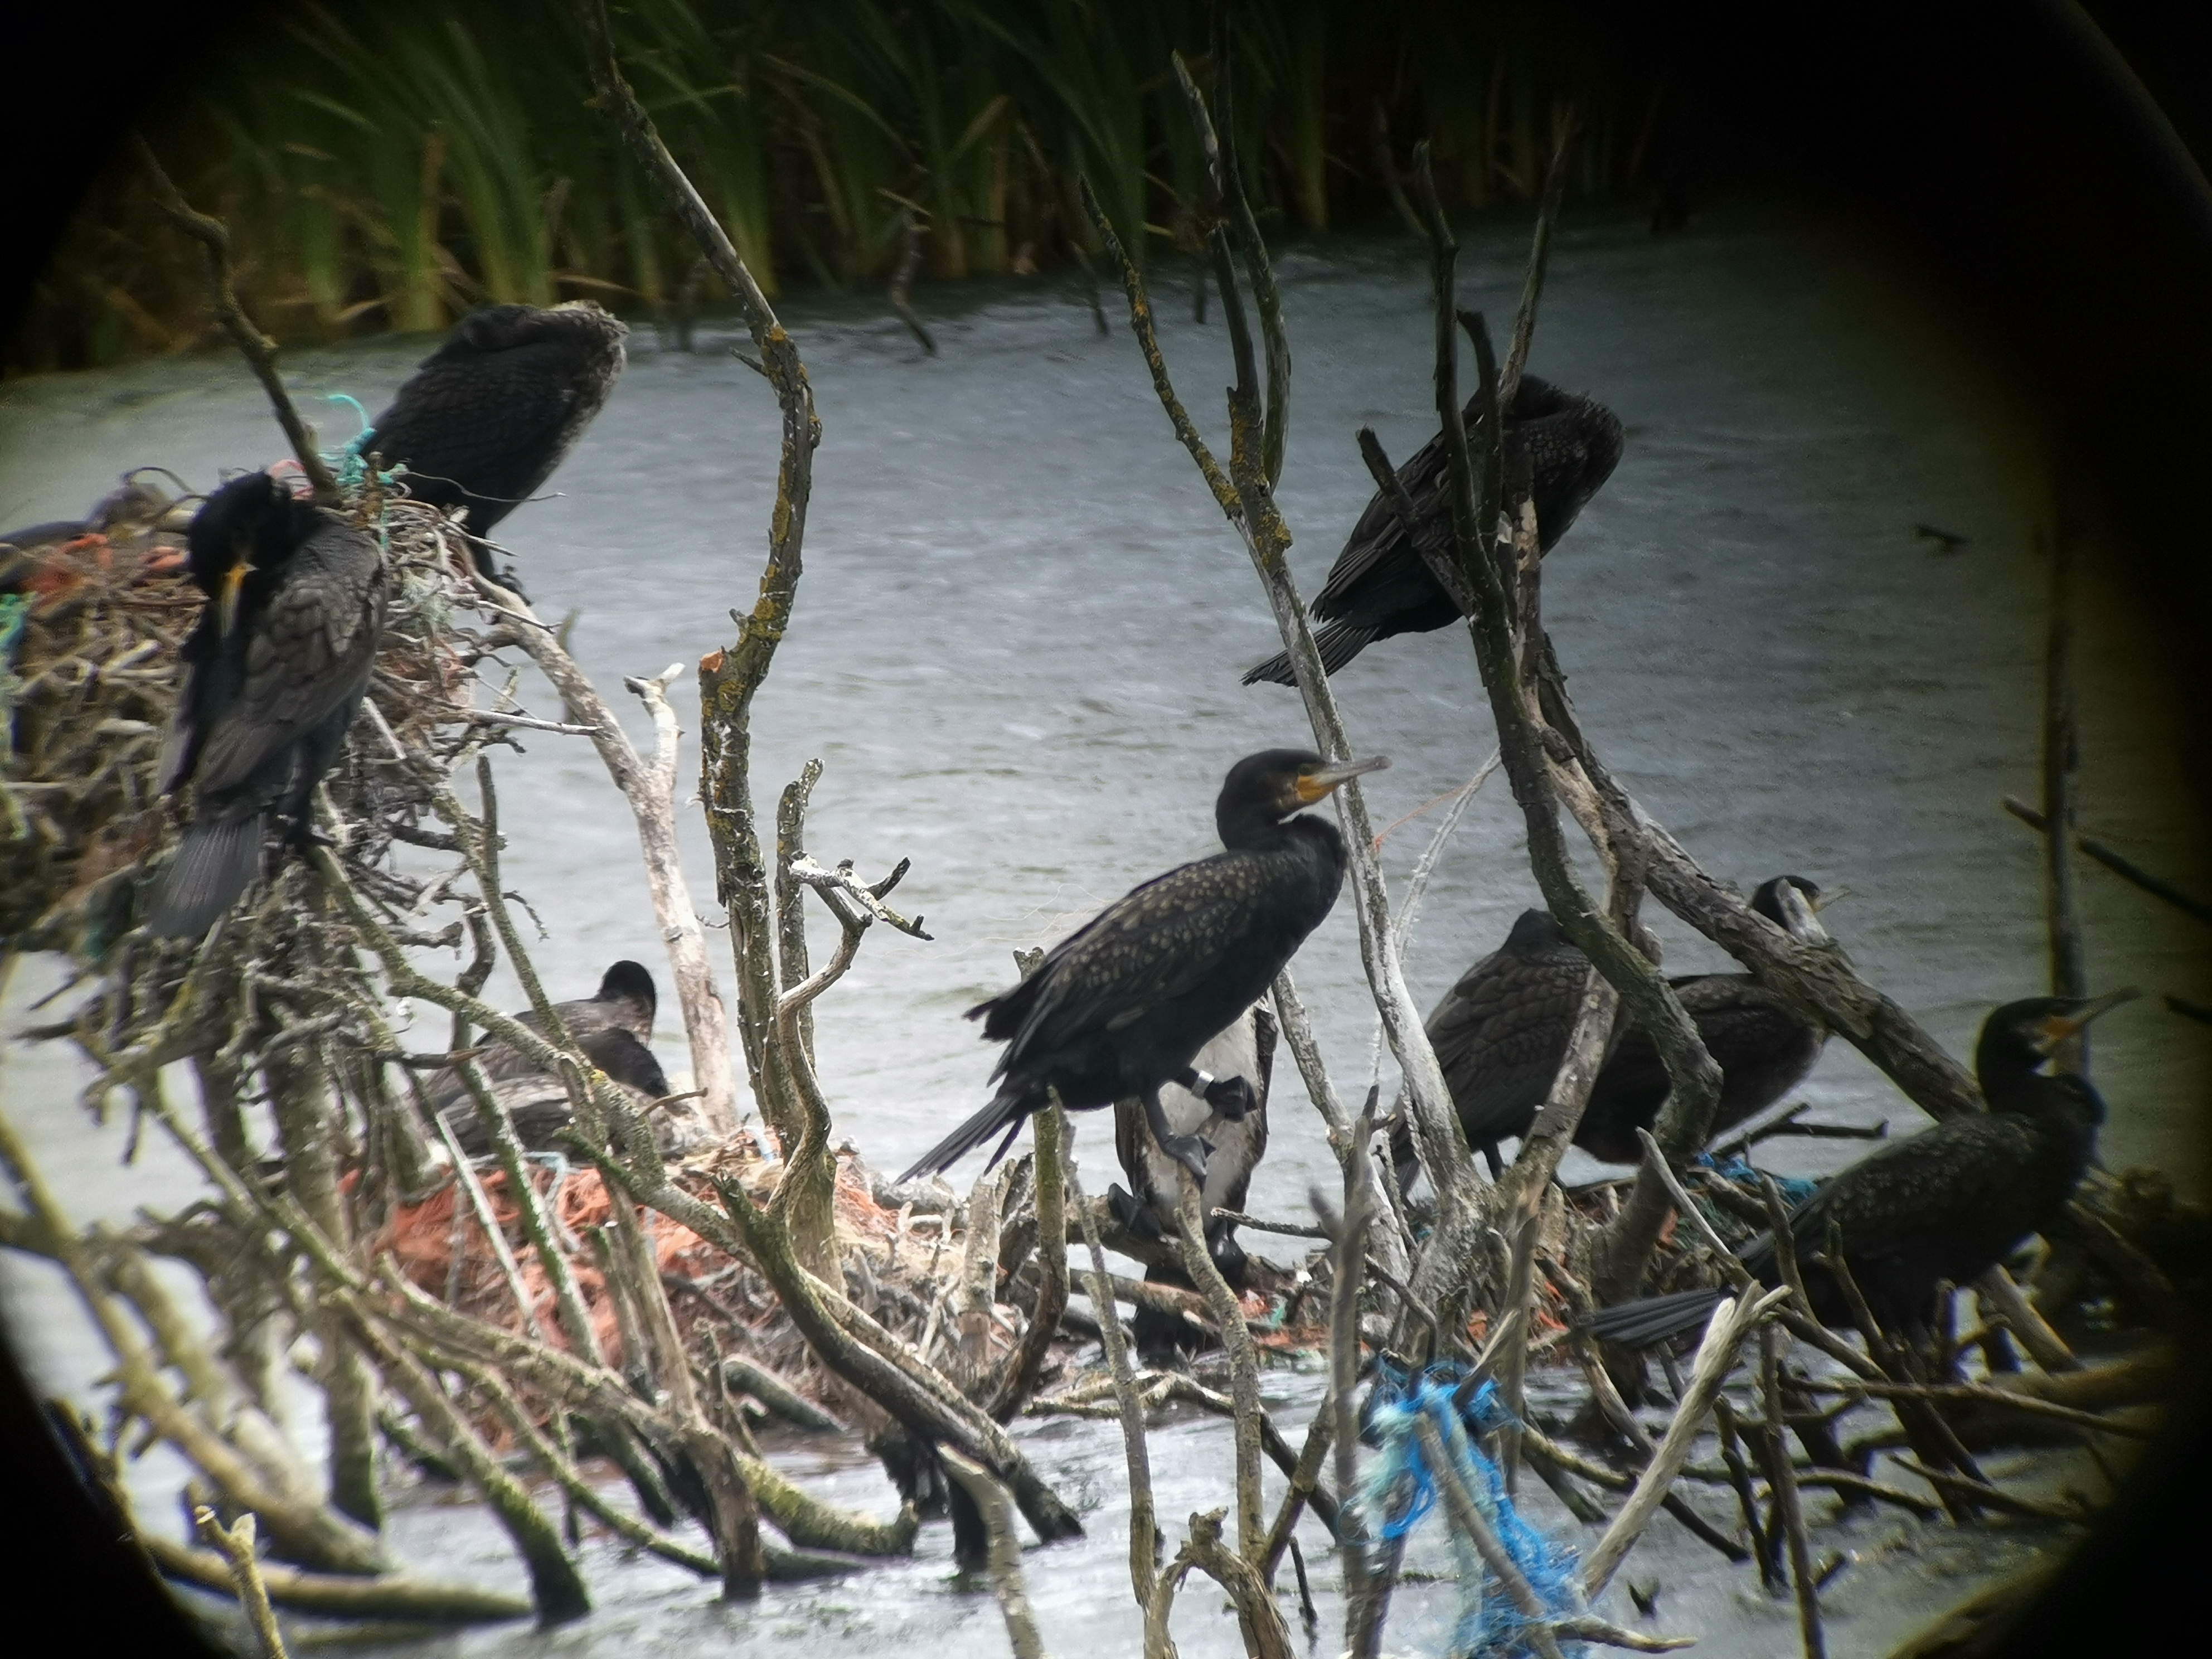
{"points": [[386, 168]]}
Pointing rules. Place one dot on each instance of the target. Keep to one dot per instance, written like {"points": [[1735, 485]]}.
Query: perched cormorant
{"points": [[1947, 1203], [1763, 1046], [1245, 1050], [273, 674], [486, 417], [612, 1028], [1559, 447], [1122, 1006], [538, 1101], [1500, 1033]]}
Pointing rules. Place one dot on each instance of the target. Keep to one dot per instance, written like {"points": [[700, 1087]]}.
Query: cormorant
{"points": [[1560, 447], [1500, 1033], [1246, 1051], [538, 1101], [612, 1028], [1122, 1006], [487, 416], [273, 673], [1763, 1046], [1947, 1203]]}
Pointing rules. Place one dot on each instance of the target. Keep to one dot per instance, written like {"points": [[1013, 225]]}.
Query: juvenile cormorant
{"points": [[273, 674], [1947, 1203], [1246, 1051], [1124, 1005], [1559, 447], [1763, 1046], [487, 416]]}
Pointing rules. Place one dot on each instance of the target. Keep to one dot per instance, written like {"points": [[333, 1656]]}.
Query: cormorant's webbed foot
{"points": [[1188, 1151], [1231, 1097], [1131, 1216]]}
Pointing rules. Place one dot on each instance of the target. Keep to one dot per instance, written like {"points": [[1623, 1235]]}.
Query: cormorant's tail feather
{"points": [[217, 860], [1653, 1319], [1008, 1111], [1339, 642]]}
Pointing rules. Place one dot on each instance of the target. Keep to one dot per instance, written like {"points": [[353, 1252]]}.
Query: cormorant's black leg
{"points": [[1132, 1216], [1229, 1097], [1186, 1150]]}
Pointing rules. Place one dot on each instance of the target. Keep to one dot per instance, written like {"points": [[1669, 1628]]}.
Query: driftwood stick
{"points": [[1731, 1323], [257, 348], [1740, 1478], [2044, 1346], [2069, 968], [236, 1545], [1265, 1634], [1144, 1526], [1006, 1557], [1686, 1120], [1347, 1268], [1781, 1482], [2125, 868], [396, 1596], [903, 276], [1540, 249], [556, 1586], [1304, 1477]]}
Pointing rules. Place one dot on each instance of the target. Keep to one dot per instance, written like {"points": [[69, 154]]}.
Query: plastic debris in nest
{"points": [[1400, 1488], [1794, 1188]]}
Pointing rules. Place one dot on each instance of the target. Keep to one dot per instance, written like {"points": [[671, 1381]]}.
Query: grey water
{"points": [[1016, 651]]}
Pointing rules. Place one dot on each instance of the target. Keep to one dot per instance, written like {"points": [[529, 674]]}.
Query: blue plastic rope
{"points": [[1795, 1189], [1400, 1488]]}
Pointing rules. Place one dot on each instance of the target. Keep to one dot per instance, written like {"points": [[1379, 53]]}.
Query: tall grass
{"points": [[388, 167]]}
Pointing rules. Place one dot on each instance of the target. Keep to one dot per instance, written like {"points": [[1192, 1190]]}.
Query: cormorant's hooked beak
{"points": [[1317, 784], [233, 579], [1817, 905], [2064, 1028]]}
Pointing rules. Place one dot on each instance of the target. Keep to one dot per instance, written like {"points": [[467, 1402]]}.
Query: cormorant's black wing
{"points": [[1153, 943], [311, 649], [1964, 1169], [1499, 1033]]}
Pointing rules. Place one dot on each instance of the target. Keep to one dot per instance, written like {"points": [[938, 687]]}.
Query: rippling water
{"points": [[1018, 640]]}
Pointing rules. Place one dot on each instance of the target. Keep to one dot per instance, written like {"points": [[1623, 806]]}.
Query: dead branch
{"points": [[257, 348], [1005, 1559], [235, 1544]]}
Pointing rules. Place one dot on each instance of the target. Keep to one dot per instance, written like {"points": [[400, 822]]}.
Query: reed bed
{"points": [[390, 169]]}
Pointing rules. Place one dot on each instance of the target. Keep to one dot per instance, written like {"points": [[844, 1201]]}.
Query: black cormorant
{"points": [[488, 416], [1124, 1005], [273, 673], [1559, 447], [1246, 1050], [1946, 1205], [538, 1101], [1763, 1046], [612, 1028], [1500, 1033]]}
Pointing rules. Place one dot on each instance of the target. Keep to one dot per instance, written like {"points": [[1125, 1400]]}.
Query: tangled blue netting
{"points": [[1400, 1488], [1794, 1190]]}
